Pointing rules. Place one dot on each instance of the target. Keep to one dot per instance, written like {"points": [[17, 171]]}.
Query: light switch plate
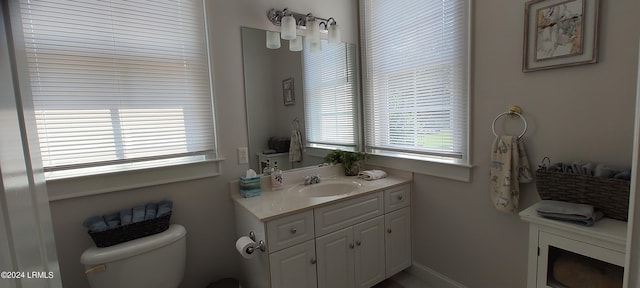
{"points": [[243, 155]]}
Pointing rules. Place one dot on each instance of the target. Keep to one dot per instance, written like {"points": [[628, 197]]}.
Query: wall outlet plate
{"points": [[243, 155]]}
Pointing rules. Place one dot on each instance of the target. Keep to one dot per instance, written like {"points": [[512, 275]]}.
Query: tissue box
{"points": [[250, 187]]}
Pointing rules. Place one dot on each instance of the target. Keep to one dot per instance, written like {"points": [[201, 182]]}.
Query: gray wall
{"points": [[578, 113], [583, 112]]}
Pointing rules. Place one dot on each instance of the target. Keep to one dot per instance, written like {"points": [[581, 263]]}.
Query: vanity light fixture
{"points": [[290, 22], [273, 40]]}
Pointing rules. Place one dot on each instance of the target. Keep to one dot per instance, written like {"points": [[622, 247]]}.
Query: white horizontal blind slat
{"points": [[415, 78], [329, 91], [116, 81]]}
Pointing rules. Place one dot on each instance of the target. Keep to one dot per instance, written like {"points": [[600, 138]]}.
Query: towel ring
{"points": [[493, 125]]}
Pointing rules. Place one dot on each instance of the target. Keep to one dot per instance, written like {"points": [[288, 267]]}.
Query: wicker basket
{"points": [[130, 231], [609, 195]]}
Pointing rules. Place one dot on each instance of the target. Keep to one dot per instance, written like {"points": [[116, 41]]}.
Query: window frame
{"points": [[85, 181], [431, 165]]}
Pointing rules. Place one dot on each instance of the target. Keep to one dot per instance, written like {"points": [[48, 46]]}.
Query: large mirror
{"points": [[275, 91]]}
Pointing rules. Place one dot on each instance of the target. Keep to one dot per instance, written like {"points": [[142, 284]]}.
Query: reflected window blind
{"points": [[415, 77], [118, 81], [329, 97]]}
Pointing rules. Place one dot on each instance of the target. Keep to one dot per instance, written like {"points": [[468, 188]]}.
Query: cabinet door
{"points": [[294, 267], [398, 241], [548, 242], [369, 252], [335, 259]]}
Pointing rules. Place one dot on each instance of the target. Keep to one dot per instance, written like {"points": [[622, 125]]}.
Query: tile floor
{"points": [[402, 280]]}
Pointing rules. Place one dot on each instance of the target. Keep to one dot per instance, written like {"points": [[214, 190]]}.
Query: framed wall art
{"points": [[560, 33], [288, 93]]}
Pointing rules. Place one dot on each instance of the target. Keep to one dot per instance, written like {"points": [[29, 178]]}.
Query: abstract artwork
{"points": [[560, 33]]}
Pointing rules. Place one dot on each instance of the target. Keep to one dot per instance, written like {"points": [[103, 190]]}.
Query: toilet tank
{"points": [[156, 261]]}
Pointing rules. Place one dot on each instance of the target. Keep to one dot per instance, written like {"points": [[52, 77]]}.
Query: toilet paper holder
{"points": [[261, 245]]}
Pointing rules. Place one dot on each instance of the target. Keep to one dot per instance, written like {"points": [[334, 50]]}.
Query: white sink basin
{"points": [[329, 188]]}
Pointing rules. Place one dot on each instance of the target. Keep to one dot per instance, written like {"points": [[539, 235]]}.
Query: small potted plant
{"points": [[350, 160]]}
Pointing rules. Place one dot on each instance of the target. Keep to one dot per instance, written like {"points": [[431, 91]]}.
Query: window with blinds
{"points": [[117, 81], [415, 77], [330, 97]]}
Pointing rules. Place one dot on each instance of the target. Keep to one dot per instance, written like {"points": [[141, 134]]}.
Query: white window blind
{"points": [[415, 78], [330, 97], [118, 81]]}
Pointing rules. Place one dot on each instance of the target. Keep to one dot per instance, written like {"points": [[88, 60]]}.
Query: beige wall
{"points": [[579, 113], [583, 112]]}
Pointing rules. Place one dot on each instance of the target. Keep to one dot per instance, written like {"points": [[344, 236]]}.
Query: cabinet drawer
{"points": [[290, 230], [337, 216], [396, 198]]}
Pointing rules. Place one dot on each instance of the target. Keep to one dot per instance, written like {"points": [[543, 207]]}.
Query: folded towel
{"points": [[372, 174], [587, 169], [603, 171], [125, 216], [509, 168], [113, 220], [138, 214], [624, 175], [164, 208], [582, 214], [150, 211], [95, 224]]}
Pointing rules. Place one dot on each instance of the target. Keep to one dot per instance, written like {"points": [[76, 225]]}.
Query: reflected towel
{"points": [[295, 148], [509, 168], [372, 174], [95, 224], [164, 208], [150, 211], [138, 214], [125, 216]]}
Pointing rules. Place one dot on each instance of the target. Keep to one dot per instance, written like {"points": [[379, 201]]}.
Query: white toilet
{"points": [[156, 261]]}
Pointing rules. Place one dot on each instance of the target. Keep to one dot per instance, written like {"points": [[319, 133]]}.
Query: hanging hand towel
{"points": [[509, 168], [295, 148]]}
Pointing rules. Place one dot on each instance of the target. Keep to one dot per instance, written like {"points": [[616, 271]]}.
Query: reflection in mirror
{"points": [[280, 84]]}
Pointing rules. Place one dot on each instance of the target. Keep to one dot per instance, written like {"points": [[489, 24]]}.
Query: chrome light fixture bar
{"points": [[290, 21]]}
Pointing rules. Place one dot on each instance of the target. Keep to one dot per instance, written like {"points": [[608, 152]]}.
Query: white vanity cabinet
{"points": [[357, 242], [599, 247], [294, 267]]}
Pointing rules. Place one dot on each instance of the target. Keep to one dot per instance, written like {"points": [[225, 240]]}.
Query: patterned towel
{"points": [[295, 148], [509, 168]]}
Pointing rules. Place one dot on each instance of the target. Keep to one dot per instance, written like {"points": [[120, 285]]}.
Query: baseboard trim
{"points": [[432, 277]]}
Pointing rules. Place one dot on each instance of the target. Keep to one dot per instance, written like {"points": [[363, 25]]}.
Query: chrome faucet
{"points": [[311, 179]]}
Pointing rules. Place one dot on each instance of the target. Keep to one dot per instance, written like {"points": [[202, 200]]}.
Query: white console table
{"points": [[604, 241]]}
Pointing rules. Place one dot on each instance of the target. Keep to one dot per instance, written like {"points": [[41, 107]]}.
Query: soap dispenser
{"points": [[277, 179]]}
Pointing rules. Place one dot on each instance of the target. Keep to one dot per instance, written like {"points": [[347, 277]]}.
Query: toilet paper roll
{"points": [[243, 243]]}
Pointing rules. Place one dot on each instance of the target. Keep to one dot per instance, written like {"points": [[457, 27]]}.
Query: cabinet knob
{"points": [[293, 230], [358, 243], [313, 261], [389, 231], [400, 197], [351, 246]]}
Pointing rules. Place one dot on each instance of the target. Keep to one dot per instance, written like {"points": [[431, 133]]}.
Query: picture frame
{"points": [[560, 33], [288, 93]]}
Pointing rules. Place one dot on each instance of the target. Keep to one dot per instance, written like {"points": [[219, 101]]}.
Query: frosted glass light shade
{"points": [[315, 46], [334, 34], [313, 31], [295, 44], [273, 40], [288, 27]]}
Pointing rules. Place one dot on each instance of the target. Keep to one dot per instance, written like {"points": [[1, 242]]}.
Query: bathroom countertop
{"points": [[288, 200]]}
